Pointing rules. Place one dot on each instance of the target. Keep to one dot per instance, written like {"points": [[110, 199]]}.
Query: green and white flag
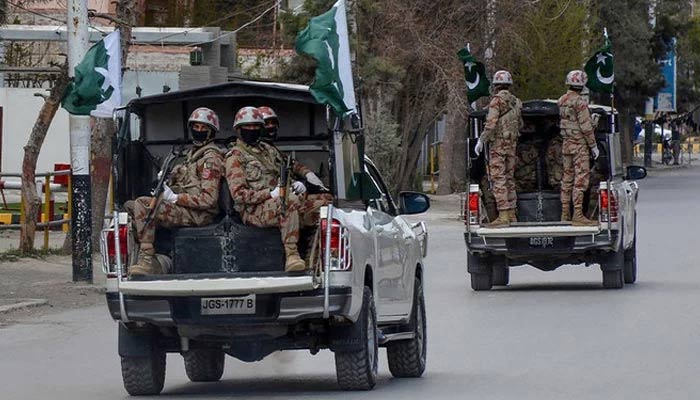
{"points": [[475, 75], [600, 69], [326, 40], [96, 87]]}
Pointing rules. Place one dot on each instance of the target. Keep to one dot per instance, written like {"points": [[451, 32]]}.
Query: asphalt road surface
{"points": [[549, 335]]}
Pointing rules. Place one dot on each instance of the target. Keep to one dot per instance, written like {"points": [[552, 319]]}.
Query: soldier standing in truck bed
{"points": [[579, 144], [503, 123]]}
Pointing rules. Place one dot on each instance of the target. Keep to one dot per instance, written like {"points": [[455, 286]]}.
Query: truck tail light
{"points": [[471, 209], [341, 259], [608, 206], [123, 249]]}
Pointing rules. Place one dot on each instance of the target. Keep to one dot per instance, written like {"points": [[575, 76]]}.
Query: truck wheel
{"points": [[482, 281], [407, 357], [357, 370], [613, 279], [144, 376], [204, 365], [501, 276]]}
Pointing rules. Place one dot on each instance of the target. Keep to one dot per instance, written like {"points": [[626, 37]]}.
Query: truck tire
{"points": [[631, 258], [357, 370], [407, 357], [204, 365], [481, 281], [500, 276], [613, 279], [144, 376]]}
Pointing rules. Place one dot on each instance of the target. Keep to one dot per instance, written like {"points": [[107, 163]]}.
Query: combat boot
{"points": [[580, 220], [512, 215], [294, 263], [146, 264], [502, 221], [565, 213]]}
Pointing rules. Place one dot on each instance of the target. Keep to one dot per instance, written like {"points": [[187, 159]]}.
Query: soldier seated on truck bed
{"points": [[253, 175], [190, 199]]}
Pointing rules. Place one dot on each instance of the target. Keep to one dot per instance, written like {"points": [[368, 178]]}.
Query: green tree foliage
{"points": [[549, 44], [688, 63], [637, 75]]}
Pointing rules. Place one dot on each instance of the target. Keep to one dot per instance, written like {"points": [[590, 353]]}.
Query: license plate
{"points": [[542, 242], [228, 305]]}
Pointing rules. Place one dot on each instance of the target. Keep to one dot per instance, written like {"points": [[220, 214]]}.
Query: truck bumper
{"points": [[273, 308], [524, 247]]}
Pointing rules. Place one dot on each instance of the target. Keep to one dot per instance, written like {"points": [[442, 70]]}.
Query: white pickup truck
{"points": [[540, 239], [225, 290]]}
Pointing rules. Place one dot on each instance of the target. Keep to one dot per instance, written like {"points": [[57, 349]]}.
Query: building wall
{"points": [[21, 107]]}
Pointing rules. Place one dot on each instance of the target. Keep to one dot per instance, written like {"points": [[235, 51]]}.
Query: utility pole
{"points": [[81, 221], [649, 106]]}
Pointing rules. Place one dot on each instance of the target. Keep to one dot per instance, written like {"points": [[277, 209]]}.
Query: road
{"points": [[554, 335]]}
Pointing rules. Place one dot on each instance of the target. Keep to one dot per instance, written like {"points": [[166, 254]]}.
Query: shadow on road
{"points": [[307, 386]]}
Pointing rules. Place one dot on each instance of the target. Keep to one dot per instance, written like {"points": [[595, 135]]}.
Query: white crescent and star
{"points": [[472, 85], [601, 58]]}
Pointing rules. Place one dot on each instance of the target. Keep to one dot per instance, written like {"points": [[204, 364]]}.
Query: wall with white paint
{"points": [[21, 107]]}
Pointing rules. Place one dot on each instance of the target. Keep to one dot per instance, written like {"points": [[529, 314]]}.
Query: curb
{"points": [[23, 303]]}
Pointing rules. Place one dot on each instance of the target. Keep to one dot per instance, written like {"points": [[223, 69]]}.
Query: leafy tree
{"points": [[548, 45]]}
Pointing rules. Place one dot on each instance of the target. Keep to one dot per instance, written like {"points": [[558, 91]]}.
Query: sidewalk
{"points": [[33, 287]]}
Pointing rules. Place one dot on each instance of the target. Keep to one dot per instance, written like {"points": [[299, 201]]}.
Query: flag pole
{"points": [[79, 126]]}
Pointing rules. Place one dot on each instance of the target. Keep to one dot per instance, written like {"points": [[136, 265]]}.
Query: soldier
{"points": [[272, 124], [501, 131], [553, 159], [579, 143], [253, 175], [191, 199]]}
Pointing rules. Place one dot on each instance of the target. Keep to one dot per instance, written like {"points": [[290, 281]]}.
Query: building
{"points": [[158, 62]]}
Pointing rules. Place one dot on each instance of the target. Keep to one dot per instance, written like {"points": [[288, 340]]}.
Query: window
{"points": [[384, 202]]}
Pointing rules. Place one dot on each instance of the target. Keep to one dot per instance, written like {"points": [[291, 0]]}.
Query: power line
{"points": [[208, 24], [239, 28]]}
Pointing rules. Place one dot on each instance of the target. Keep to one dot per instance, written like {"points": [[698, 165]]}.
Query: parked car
{"points": [[540, 239], [226, 292]]}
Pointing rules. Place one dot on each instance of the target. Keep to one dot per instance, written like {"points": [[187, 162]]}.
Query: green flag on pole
{"points": [[600, 71], [475, 75], [96, 87], [326, 40]]}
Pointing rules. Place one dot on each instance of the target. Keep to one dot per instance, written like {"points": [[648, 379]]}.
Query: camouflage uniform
{"points": [[579, 140], [196, 181], [554, 162], [525, 174], [503, 123], [251, 172]]}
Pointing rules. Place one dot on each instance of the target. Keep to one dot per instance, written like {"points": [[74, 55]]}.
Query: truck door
{"points": [[393, 270]]}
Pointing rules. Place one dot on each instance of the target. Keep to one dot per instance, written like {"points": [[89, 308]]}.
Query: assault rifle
{"points": [[166, 168], [286, 172]]}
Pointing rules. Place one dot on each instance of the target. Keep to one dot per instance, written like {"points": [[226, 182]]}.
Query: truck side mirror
{"points": [[635, 172], [413, 203]]}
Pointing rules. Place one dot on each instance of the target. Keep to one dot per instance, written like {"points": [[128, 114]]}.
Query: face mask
{"points": [[250, 136], [271, 134], [199, 137]]}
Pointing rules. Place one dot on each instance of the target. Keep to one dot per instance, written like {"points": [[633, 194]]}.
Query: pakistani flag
{"points": [[600, 71], [326, 40], [96, 87], [475, 75]]}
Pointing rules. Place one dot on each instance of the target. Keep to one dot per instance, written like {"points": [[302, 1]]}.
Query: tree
{"points": [[543, 46], [104, 130], [637, 75], [31, 200]]}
